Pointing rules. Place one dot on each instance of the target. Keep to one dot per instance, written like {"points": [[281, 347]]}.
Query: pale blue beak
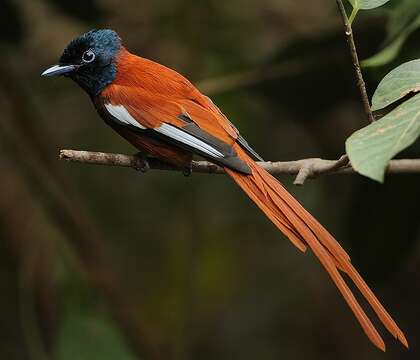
{"points": [[57, 70]]}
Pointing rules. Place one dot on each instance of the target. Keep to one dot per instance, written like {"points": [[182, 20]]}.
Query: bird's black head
{"points": [[90, 60]]}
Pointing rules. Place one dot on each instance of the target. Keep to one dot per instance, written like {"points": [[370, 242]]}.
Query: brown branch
{"points": [[304, 169], [355, 58]]}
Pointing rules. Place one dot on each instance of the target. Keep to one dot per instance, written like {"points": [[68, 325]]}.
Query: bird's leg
{"points": [[142, 164]]}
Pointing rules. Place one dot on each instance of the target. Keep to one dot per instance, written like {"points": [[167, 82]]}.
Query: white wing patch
{"points": [[120, 113], [187, 139]]}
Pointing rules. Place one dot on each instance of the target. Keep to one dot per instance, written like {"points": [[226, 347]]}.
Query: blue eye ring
{"points": [[88, 56]]}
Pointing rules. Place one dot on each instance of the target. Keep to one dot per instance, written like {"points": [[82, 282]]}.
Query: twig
{"points": [[350, 40], [304, 169], [314, 167]]}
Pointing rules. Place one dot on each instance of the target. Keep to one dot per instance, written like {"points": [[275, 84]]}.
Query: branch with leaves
{"points": [[370, 149]]}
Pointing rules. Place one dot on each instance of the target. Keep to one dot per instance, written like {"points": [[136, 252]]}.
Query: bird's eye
{"points": [[88, 56]]}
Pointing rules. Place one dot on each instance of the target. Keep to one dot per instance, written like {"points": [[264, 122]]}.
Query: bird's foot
{"points": [[142, 163], [187, 171]]}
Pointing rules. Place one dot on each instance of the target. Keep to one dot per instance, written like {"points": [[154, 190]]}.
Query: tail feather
{"points": [[380, 311], [304, 230], [325, 237]]}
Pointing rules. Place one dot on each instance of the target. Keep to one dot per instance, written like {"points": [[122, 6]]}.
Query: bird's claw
{"points": [[143, 164], [187, 171]]}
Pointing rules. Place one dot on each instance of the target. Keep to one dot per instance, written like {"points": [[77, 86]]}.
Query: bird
{"points": [[165, 116]]}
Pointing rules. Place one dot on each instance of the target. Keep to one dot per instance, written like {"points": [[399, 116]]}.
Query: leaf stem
{"points": [[353, 15]]}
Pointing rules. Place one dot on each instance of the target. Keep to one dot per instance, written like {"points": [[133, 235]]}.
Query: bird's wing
{"points": [[181, 122], [159, 91]]}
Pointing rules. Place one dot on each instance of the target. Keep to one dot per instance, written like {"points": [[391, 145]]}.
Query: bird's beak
{"points": [[57, 70]]}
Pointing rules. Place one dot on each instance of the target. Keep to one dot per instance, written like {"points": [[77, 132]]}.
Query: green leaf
{"points": [[370, 4], [391, 51], [397, 84], [371, 148], [367, 4]]}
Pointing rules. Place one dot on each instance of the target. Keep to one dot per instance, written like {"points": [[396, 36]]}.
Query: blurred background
{"points": [[106, 263]]}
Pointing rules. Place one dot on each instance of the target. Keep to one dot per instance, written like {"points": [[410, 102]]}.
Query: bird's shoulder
{"points": [[144, 74]]}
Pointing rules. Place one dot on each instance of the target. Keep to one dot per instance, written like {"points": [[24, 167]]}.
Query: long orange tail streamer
{"points": [[304, 230]]}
